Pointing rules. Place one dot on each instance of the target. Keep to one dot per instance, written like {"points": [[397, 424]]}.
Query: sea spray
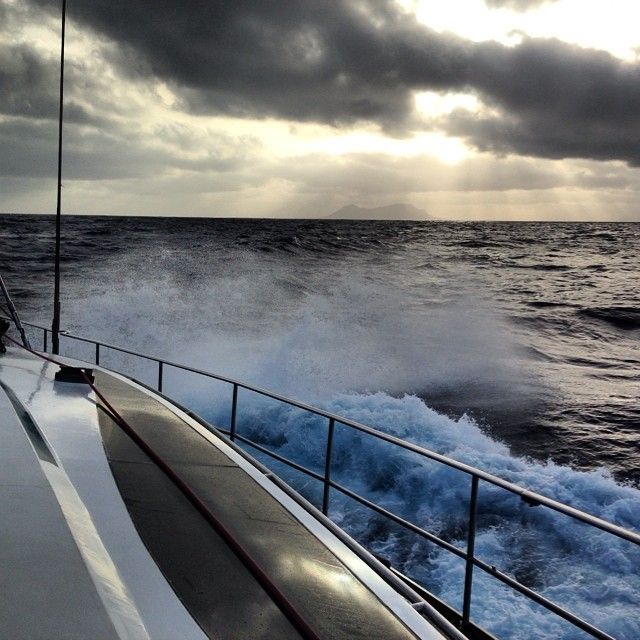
{"points": [[478, 319], [587, 571]]}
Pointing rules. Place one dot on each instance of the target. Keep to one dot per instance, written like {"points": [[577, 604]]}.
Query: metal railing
{"points": [[476, 476]]}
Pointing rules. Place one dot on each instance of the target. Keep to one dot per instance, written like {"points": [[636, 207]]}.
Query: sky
{"points": [[467, 109]]}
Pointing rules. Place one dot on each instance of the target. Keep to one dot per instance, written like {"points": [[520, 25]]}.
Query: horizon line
{"points": [[326, 218]]}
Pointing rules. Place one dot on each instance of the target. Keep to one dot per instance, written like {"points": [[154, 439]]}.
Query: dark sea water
{"points": [[512, 346]]}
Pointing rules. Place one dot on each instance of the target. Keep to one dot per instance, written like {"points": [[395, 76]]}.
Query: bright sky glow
{"points": [[612, 25], [448, 150]]}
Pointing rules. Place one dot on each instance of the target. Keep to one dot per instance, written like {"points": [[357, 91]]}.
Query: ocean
{"points": [[510, 346]]}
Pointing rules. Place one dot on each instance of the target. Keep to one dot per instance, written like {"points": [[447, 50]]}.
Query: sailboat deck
{"points": [[42, 572], [168, 573]]}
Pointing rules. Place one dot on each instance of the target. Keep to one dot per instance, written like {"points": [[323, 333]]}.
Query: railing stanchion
{"points": [[45, 335], [234, 412], [327, 467], [529, 497], [471, 543]]}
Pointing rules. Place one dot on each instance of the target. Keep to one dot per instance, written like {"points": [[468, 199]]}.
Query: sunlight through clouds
{"points": [[458, 102], [611, 25]]}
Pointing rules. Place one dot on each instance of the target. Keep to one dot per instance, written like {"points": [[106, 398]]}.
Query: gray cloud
{"points": [[340, 62], [328, 61], [30, 146], [554, 100], [26, 82], [29, 87]]}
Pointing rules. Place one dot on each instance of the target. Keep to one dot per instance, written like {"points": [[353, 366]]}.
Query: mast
{"points": [[55, 326]]}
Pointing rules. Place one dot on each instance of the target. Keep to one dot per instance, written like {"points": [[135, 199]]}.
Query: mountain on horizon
{"points": [[388, 212]]}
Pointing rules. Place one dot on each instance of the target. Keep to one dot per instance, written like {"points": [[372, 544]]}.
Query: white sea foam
{"points": [[588, 572], [344, 332]]}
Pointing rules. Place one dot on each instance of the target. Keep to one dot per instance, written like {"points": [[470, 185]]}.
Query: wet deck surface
{"points": [[211, 582], [45, 588], [96, 542]]}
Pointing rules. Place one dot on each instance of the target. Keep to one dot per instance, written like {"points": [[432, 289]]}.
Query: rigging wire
{"points": [[55, 325], [13, 314]]}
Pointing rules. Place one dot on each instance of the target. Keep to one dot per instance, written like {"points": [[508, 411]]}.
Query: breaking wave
{"points": [[589, 572], [380, 323]]}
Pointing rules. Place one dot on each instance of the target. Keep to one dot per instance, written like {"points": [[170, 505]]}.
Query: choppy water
{"points": [[510, 346]]}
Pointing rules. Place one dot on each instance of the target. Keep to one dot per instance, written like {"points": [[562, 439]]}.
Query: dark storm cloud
{"points": [[330, 61], [341, 61], [554, 100]]}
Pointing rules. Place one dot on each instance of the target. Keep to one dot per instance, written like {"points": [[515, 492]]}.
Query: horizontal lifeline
{"points": [[277, 596]]}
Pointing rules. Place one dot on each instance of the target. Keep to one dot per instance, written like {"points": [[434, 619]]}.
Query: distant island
{"points": [[389, 212]]}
